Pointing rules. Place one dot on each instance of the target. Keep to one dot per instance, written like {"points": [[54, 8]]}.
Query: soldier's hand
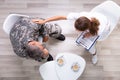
{"points": [[45, 38]]}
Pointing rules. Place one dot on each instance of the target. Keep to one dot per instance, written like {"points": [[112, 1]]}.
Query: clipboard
{"points": [[86, 42]]}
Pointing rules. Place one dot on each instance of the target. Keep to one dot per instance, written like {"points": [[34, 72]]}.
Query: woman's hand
{"points": [[87, 35], [38, 21]]}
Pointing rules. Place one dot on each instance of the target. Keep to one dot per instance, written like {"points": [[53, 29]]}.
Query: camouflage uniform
{"points": [[25, 30], [53, 30]]}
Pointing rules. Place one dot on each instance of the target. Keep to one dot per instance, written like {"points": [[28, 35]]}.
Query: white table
{"points": [[65, 72], [53, 71]]}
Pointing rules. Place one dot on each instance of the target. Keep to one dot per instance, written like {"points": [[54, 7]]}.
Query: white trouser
{"points": [[92, 50]]}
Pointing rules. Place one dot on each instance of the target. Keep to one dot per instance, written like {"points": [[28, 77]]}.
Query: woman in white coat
{"points": [[95, 23]]}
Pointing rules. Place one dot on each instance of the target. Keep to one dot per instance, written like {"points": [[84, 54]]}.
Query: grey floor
{"points": [[13, 67]]}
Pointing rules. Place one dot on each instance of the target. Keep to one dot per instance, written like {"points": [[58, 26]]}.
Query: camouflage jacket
{"points": [[22, 32]]}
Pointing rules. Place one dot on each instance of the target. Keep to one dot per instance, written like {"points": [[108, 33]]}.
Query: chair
{"points": [[47, 71], [66, 66], [112, 11], [10, 21]]}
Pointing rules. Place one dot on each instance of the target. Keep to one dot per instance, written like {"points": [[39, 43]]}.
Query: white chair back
{"points": [[47, 71], [10, 21], [112, 11]]}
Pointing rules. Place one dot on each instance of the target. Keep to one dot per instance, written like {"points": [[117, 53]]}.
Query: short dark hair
{"points": [[34, 52]]}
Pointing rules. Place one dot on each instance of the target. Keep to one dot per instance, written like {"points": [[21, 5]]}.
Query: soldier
{"points": [[24, 38]]}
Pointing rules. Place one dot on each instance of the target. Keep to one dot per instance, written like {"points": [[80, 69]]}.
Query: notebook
{"points": [[86, 42]]}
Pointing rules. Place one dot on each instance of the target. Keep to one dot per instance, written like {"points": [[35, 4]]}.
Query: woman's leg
{"points": [[93, 51]]}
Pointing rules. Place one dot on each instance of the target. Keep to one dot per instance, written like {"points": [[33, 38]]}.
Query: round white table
{"points": [[66, 66], [66, 70]]}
